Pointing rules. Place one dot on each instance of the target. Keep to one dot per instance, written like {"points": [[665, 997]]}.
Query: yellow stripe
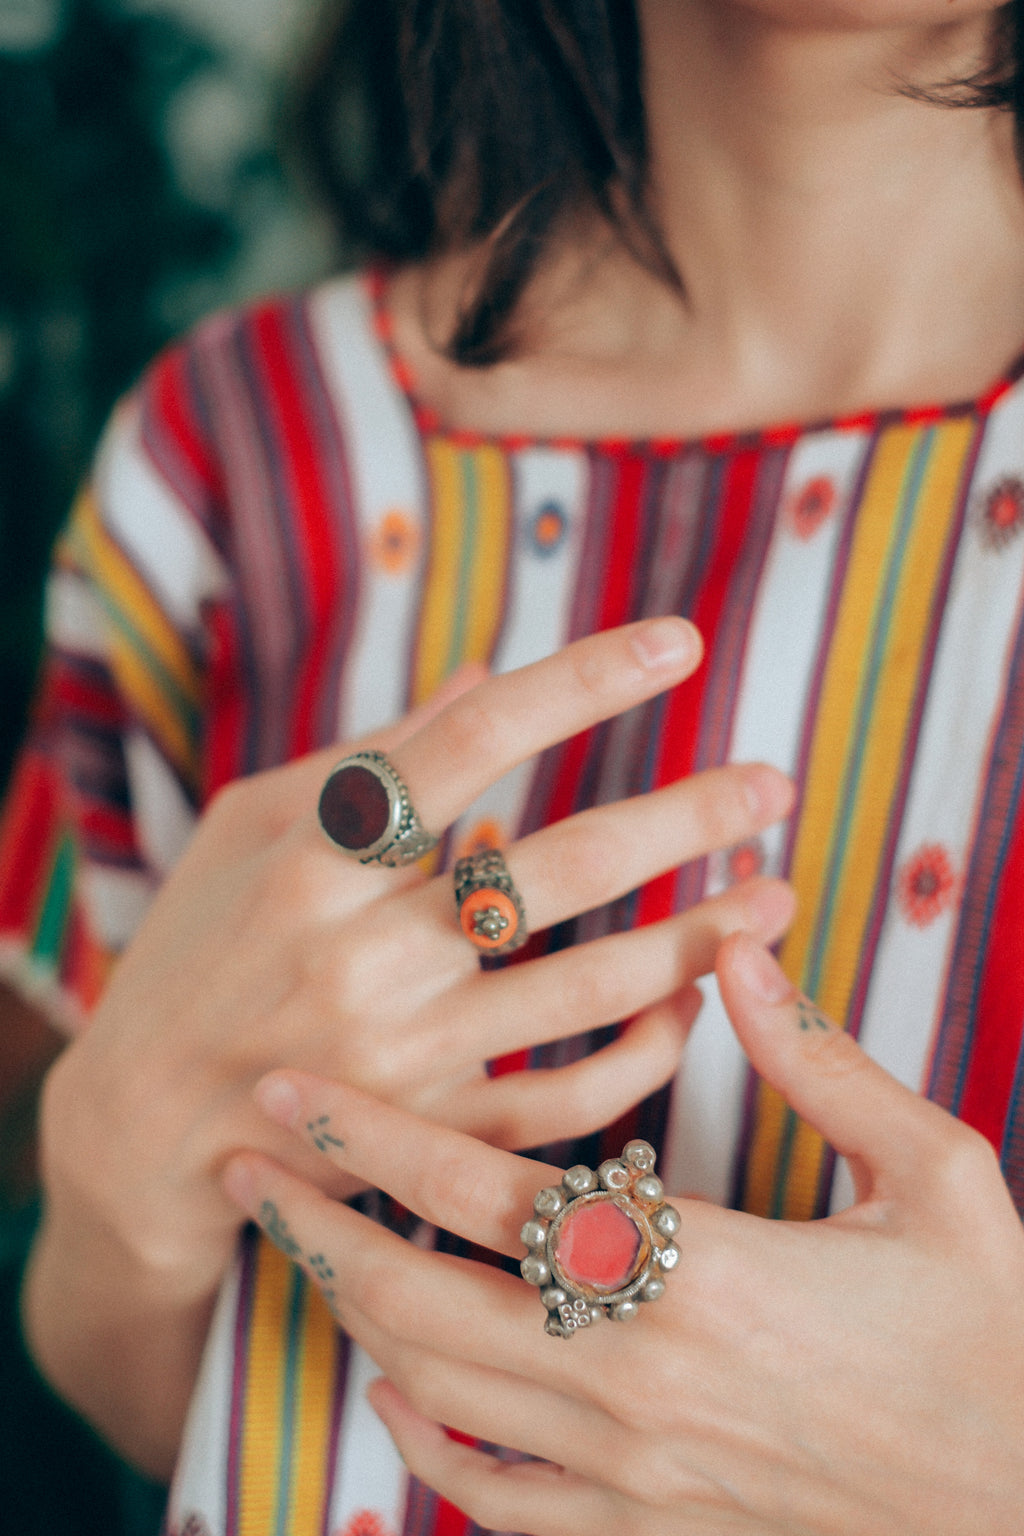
{"points": [[151, 663], [310, 1469], [836, 884], [465, 584], [264, 1393]]}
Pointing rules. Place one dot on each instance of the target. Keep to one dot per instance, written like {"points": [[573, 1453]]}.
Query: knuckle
{"points": [[473, 730], [962, 1163]]}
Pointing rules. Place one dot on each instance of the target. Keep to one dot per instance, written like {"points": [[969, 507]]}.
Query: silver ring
{"points": [[366, 811], [489, 907], [601, 1242]]}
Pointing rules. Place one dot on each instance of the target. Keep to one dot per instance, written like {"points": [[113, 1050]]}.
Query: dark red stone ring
{"points": [[601, 1242], [366, 810]]}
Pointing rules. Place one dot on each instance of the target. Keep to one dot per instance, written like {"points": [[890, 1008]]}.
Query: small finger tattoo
{"points": [[322, 1136], [276, 1228], [809, 1017]]}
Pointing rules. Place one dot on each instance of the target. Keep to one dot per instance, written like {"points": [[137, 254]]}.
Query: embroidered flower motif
{"points": [[394, 543], [481, 836], [812, 505], [365, 1523], [194, 1526], [1002, 512], [746, 860], [925, 885], [548, 528], [728, 866]]}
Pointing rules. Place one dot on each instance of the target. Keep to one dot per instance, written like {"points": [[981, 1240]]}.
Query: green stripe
{"points": [[53, 916], [847, 795], [467, 545], [293, 1350]]}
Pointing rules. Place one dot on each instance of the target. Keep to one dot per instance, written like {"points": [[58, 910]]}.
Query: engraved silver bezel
{"points": [[403, 840]]}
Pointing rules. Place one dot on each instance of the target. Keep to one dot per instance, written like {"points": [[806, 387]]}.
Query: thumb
{"points": [[888, 1134]]}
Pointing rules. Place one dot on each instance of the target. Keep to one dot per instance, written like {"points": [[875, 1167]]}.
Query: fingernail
{"points": [[761, 973], [278, 1099], [666, 643], [237, 1183], [769, 792]]}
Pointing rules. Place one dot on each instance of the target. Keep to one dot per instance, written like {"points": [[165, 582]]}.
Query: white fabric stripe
{"points": [[199, 1487], [541, 588], [782, 647], [74, 619], [164, 818], [160, 537], [115, 901], [371, 1475], [387, 471], [911, 968]]}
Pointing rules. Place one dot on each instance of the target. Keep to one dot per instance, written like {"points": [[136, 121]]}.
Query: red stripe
{"points": [[29, 829], [76, 692], [614, 606], [311, 502], [171, 398], [227, 705], [998, 1020], [685, 706]]}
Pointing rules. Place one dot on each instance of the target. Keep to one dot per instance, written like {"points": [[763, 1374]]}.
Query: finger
{"points": [[254, 811], [600, 854], [448, 1178], [367, 1272], [893, 1138], [511, 717], [613, 978], [527, 1109], [537, 1498]]}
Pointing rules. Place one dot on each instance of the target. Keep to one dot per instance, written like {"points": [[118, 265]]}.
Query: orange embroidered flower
{"points": [[394, 543], [548, 528], [365, 1523], [481, 836]]}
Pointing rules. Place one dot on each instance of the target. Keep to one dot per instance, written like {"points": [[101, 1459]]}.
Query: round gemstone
{"points": [[598, 1246], [355, 808], [489, 918]]}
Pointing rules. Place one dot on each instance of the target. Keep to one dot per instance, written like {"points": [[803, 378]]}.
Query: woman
{"points": [[635, 255]]}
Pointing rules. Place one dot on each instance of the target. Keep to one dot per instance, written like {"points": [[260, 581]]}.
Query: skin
{"points": [[268, 947], [849, 1377], [778, 191]]}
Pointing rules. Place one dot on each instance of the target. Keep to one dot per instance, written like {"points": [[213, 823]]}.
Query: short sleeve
{"points": [[107, 786]]}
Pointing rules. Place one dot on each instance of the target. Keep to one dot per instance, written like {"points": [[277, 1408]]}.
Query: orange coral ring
{"points": [[489, 907]]}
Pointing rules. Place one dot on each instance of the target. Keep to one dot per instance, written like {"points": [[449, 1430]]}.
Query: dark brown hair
{"points": [[434, 125]]}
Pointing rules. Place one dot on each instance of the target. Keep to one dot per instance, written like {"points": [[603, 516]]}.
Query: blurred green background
{"points": [[142, 184]]}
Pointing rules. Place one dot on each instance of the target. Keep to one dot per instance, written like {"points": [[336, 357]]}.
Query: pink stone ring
{"points": [[601, 1242], [366, 810]]}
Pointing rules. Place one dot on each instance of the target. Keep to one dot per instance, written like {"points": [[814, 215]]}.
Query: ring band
{"points": [[601, 1242], [366, 811], [490, 908]]}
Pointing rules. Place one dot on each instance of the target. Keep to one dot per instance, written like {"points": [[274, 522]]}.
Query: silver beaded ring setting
{"points": [[601, 1242]]}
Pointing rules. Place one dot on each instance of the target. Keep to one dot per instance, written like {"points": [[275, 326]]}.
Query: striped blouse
{"points": [[280, 548]]}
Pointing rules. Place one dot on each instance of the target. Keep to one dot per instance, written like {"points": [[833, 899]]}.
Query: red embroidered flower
{"points": [[746, 860], [365, 1523], [812, 505], [1002, 514], [925, 885]]}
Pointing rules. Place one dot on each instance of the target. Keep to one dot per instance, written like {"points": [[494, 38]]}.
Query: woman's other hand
{"points": [[855, 1376]]}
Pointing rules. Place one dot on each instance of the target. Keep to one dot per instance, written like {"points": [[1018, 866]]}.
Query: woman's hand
{"points": [[857, 1376], [268, 947]]}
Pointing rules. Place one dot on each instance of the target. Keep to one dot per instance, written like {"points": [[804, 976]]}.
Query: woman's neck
{"points": [[842, 245]]}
